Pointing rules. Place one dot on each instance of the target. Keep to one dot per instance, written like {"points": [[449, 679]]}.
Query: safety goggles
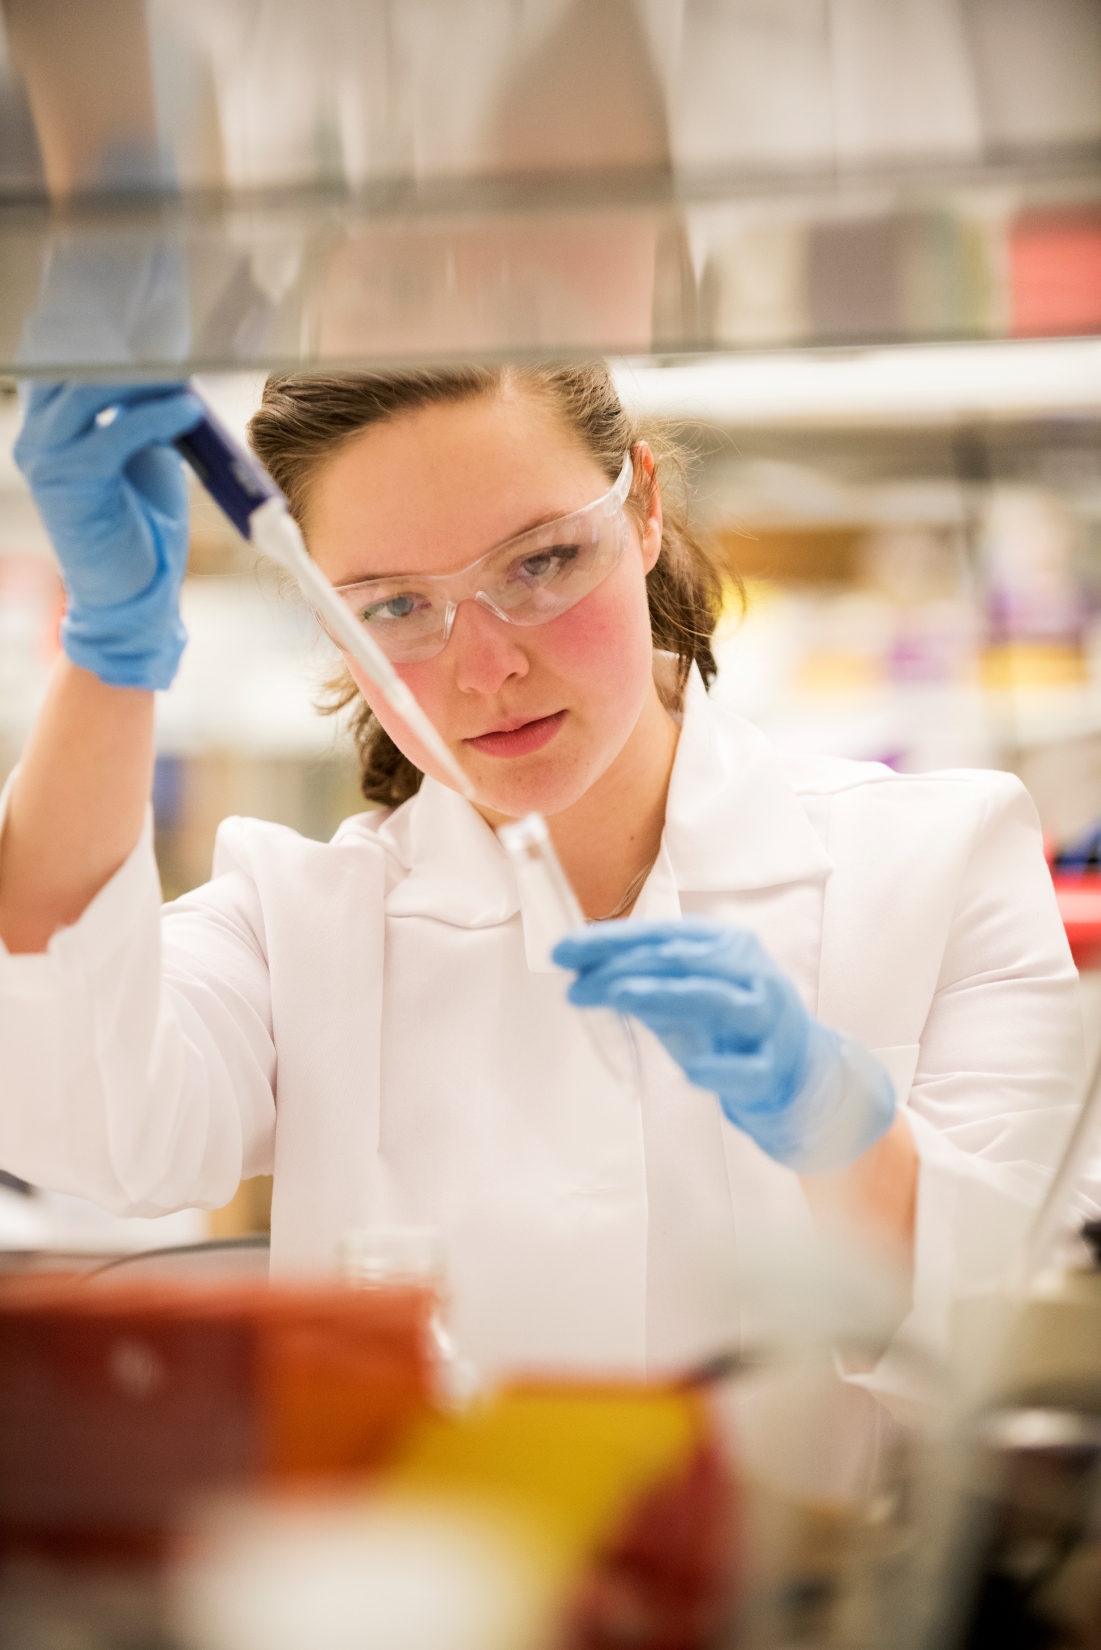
{"points": [[528, 580]]}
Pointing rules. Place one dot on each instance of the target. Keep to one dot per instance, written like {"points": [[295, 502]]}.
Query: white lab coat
{"points": [[371, 1020]]}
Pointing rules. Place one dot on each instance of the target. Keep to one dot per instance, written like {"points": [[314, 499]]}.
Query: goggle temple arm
{"points": [[617, 498]]}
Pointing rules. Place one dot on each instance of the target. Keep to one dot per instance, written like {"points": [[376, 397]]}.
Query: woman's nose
{"points": [[485, 649]]}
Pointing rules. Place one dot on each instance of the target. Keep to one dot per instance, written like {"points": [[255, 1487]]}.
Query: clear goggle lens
{"points": [[528, 580]]}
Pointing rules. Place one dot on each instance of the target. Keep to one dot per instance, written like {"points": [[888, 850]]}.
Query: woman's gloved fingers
{"points": [[598, 947], [103, 451], [667, 958], [150, 424], [591, 949], [156, 475], [589, 945], [745, 1083], [727, 1014], [682, 944], [57, 412], [682, 992]]}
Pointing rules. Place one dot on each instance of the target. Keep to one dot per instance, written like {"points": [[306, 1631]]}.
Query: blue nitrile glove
{"points": [[113, 499], [810, 1098]]}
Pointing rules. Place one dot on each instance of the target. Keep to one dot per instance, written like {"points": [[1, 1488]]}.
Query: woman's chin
{"points": [[513, 789]]}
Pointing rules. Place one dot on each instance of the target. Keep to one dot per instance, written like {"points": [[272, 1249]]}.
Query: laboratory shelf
{"points": [[638, 264], [257, 183]]}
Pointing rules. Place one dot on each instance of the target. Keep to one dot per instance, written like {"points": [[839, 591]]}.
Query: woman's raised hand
{"points": [[810, 1098], [113, 499]]}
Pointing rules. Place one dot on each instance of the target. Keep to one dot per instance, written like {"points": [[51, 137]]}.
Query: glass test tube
{"points": [[540, 875], [545, 889]]}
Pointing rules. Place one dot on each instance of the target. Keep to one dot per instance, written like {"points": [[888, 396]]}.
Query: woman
{"points": [[374, 1020]]}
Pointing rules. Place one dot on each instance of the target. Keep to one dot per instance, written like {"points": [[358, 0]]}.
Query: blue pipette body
{"points": [[235, 480]]}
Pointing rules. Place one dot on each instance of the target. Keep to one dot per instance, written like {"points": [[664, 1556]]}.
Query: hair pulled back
{"points": [[303, 419]]}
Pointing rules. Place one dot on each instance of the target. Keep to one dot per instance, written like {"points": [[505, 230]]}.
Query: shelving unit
{"points": [[261, 184], [623, 264]]}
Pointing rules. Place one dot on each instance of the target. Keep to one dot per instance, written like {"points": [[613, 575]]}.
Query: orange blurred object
{"points": [[119, 1405]]}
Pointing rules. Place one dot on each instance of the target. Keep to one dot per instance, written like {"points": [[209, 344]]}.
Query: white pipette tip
{"points": [[405, 704], [275, 532], [519, 835]]}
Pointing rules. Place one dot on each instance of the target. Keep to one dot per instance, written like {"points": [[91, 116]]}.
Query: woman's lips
{"points": [[521, 741]]}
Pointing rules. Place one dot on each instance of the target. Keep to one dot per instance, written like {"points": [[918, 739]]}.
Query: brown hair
{"points": [[303, 419]]}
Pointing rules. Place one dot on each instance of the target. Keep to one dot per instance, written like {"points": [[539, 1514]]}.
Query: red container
{"points": [[1079, 899], [120, 1405]]}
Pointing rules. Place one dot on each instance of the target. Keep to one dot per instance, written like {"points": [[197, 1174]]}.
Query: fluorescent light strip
{"points": [[903, 384]]}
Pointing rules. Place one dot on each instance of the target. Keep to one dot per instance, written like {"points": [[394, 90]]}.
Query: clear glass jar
{"points": [[378, 1257]]}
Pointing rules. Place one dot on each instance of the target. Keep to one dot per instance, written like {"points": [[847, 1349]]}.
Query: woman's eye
{"points": [[547, 562], [395, 607]]}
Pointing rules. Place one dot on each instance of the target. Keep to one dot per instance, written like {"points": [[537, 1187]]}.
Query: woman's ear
{"points": [[650, 535]]}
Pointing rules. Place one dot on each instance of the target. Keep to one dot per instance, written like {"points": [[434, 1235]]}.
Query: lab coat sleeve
{"points": [[138, 1061], [1000, 1068]]}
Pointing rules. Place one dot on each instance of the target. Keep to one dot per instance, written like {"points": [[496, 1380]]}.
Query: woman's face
{"points": [[534, 714]]}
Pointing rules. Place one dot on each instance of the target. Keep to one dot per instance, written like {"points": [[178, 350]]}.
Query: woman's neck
{"points": [[611, 836]]}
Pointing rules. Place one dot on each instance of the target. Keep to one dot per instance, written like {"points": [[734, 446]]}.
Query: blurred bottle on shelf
{"points": [[1054, 261], [1035, 604]]}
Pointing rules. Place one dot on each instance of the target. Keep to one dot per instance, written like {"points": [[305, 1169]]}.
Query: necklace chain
{"points": [[629, 893]]}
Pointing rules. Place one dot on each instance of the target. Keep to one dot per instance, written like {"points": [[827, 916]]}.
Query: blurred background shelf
{"points": [[363, 181], [622, 263]]}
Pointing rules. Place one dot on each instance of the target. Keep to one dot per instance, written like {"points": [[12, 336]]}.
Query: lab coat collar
{"points": [[456, 870], [732, 823], [732, 819]]}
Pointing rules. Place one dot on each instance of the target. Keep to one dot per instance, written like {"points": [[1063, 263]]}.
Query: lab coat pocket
{"points": [[901, 1063]]}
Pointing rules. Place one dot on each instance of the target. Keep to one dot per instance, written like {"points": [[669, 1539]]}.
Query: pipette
{"points": [[243, 489]]}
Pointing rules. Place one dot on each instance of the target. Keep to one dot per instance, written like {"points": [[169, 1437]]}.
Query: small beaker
{"points": [[376, 1257]]}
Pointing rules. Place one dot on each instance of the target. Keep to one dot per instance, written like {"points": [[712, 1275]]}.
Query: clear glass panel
{"points": [[369, 182], [317, 281]]}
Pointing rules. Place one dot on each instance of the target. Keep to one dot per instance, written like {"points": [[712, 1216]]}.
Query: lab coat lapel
{"points": [[325, 955], [732, 819], [454, 868], [741, 845], [742, 848]]}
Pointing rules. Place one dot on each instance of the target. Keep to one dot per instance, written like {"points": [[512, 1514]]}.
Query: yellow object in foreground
{"points": [[617, 1502], [568, 1464]]}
